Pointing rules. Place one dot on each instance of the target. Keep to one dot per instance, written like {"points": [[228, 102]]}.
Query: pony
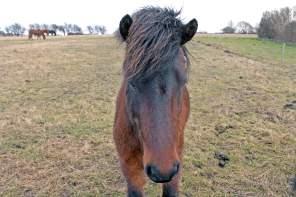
{"points": [[43, 32], [52, 32], [152, 105], [38, 33]]}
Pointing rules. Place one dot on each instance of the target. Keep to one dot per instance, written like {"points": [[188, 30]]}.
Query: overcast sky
{"points": [[212, 15]]}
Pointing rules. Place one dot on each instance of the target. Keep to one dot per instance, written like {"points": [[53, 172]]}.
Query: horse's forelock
{"points": [[153, 41]]}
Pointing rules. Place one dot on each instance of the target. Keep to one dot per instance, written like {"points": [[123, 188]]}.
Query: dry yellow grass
{"points": [[57, 108]]}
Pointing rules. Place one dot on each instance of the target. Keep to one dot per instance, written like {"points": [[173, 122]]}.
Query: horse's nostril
{"points": [[152, 172], [148, 170]]}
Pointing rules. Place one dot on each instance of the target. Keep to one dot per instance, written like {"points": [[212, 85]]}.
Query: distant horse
{"points": [[44, 31], [38, 33], [152, 105], [52, 32]]}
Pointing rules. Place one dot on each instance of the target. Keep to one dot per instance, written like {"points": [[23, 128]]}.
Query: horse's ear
{"points": [[124, 25], [188, 31]]}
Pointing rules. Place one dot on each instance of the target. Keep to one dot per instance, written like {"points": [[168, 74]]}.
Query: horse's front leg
{"points": [[131, 159], [132, 168]]}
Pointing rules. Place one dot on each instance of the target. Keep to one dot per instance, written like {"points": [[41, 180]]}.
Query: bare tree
{"points": [[53, 27], [273, 24], [73, 29], [97, 29], [61, 28], [76, 29], [266, 27], [15, 29], [102, 29], [67, 28], [8, 30], [90, 29], [290, 32], [244, 27]]}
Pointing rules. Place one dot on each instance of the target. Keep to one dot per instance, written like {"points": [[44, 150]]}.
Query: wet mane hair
{"points": [[153, 43]]}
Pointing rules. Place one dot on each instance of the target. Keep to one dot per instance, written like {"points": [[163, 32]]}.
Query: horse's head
{"points": [[156, 73]]}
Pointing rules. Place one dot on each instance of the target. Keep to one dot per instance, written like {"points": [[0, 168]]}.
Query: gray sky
{"points": [[212, 15]]}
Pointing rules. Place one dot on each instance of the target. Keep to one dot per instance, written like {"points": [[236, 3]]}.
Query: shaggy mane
{"points": [[153, 42]]}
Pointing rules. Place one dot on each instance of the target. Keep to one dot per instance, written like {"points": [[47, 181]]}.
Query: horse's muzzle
{"points": [[156, 176]]}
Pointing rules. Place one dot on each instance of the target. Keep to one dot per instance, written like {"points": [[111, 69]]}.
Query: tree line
{"points": [[17, 29], [242, 27], [276, 25]]}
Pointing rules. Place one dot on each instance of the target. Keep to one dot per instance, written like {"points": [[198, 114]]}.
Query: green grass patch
{"points": [[258, 49]]}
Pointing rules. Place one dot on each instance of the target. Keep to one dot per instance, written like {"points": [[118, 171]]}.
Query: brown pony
{"points": [[38, 33], [153, 102], [44, 31]]}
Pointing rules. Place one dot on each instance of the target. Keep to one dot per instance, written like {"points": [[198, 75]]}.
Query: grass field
{"points": [[261, 50], [57, 108]]}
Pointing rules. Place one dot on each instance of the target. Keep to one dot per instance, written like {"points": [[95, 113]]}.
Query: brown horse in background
{"points": [[38, 33], [152, 106]]}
